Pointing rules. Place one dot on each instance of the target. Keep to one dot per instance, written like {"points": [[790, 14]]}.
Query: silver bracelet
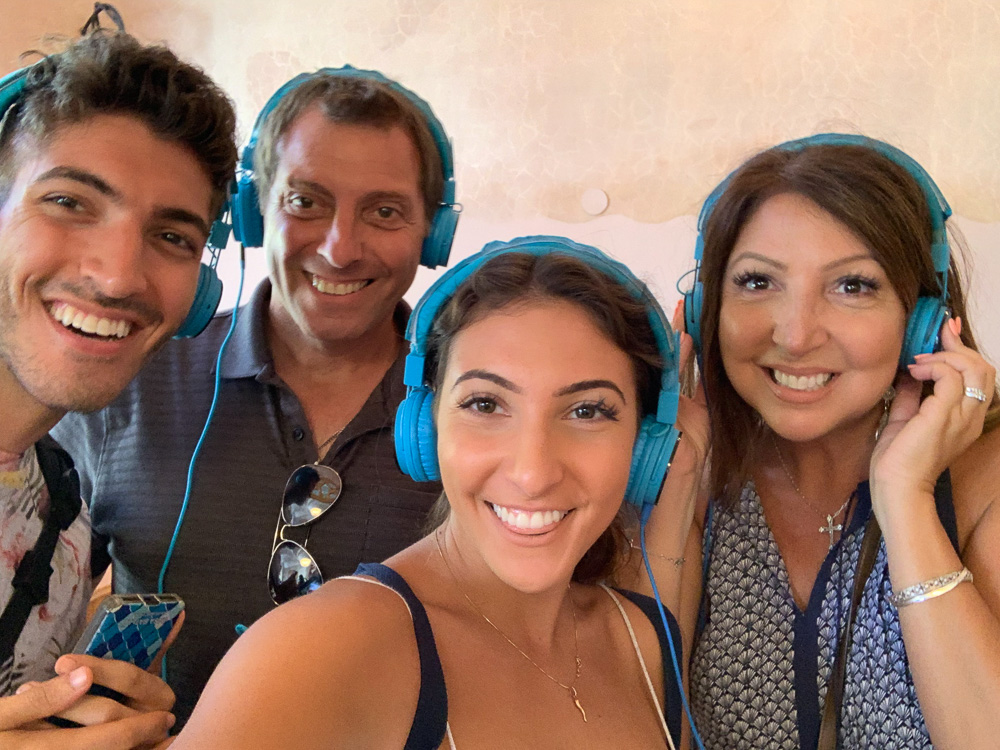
{"points": [[921, 592], [677, 561]]}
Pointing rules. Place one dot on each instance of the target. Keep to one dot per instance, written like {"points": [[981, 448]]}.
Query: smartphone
{"points": [[130, 627]]}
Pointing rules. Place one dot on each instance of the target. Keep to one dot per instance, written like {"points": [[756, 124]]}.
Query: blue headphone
{"points": [[924, 324], [209, 291], [248, 224], [416, 435]]}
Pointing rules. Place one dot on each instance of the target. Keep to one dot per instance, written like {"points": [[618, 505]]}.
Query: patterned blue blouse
{"points": [[760, 667]]}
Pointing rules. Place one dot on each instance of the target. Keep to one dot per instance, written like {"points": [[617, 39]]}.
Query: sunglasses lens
{"points": [[292, 572], [310, 492]]}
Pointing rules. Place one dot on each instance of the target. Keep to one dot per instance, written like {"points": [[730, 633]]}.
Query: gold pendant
{"points": [[576, 702]]}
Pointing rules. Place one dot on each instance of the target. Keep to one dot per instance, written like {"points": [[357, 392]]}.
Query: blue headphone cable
{"points": [[666, 625], [201, 440]]}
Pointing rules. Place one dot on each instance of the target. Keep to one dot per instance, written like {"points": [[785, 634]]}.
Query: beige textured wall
{"points": [[652, 101]]}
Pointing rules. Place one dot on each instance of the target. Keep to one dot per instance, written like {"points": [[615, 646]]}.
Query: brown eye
{"points": [[484, 405]]}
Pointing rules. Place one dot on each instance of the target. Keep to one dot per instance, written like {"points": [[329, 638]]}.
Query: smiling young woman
{"points": [[538, 366]]}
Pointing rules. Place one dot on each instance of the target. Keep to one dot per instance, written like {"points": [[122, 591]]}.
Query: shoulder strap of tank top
{"points": [[430, 722]]}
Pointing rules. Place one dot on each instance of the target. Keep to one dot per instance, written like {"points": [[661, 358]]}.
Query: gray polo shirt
{"points": [[133, 460]]}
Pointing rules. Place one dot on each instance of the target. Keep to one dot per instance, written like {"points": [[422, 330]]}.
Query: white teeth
{"points": [[90, 324], [339, 290], [802, 382], [70, 317], [523, 519]]}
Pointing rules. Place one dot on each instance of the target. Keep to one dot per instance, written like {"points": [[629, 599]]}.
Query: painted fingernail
{"points": [[78, 677]]}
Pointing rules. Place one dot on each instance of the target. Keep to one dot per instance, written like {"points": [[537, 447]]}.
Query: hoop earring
{"points": [[887, 397]]}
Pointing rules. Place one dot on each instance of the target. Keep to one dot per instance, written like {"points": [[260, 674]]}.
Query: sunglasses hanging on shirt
{"points": [[310, 492]]}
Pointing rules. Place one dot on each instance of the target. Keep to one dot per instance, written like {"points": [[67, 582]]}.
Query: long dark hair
{"points": [[518, 278], [879, 201]]}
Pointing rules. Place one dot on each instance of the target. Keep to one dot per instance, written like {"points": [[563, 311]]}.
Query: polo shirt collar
{"points": [[247, 355]]}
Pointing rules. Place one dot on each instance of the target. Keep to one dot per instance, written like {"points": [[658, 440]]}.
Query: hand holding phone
{"points": [[143, 720]]}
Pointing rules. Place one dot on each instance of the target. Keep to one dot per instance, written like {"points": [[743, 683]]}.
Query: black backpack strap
{"points": [[30, 586]]}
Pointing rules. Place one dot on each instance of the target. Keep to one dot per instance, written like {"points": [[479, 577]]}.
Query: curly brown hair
{"points": [[112, 73]]}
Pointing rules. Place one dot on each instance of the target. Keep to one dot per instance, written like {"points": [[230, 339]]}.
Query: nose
{"points": [[535, 465], [114, 261], [341, 245], [799, 323]]}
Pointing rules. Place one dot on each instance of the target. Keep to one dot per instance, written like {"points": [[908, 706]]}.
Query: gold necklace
{"points": [[327, 443], [830, 527], [571, 688]]}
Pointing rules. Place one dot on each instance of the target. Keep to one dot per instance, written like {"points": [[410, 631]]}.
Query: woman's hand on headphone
{"points": [[670, 521], [923, 438]]}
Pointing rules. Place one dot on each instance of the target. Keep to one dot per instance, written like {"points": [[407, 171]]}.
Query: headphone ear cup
{"points": [[437, 243], [651, 454], [923, 329], [416, 436], [692, 314], [248, 224], [206, 302]]}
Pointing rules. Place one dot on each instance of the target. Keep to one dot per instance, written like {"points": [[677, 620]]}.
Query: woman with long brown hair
{"points": [[851, 589]]}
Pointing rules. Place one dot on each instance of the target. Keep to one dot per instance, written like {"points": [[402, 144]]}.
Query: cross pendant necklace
{"points": [[831, 528]]}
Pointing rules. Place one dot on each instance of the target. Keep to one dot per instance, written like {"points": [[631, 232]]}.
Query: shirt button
{"points": [[298, 433]]}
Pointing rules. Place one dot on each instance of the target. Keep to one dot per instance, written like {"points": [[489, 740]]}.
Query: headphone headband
{"points": [[937, 205]]}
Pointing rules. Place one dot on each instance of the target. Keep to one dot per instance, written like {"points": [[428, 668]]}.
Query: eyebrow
{"points": [[104, 188], [586, 385], [784, 266], [299, 184], [487, 375], [82, 176], [583, 385], [185, 216]]}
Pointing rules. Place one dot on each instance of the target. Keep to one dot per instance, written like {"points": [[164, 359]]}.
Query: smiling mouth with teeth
{"points": [[801, 383], [525, 520], [89, 324], [338, 289]]}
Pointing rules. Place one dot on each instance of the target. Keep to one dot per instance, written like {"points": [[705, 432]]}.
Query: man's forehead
{"points": [[121, 151], [314, 148]]}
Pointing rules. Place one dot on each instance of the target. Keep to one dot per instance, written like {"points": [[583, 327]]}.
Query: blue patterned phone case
{"points": [[130, 627]]}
